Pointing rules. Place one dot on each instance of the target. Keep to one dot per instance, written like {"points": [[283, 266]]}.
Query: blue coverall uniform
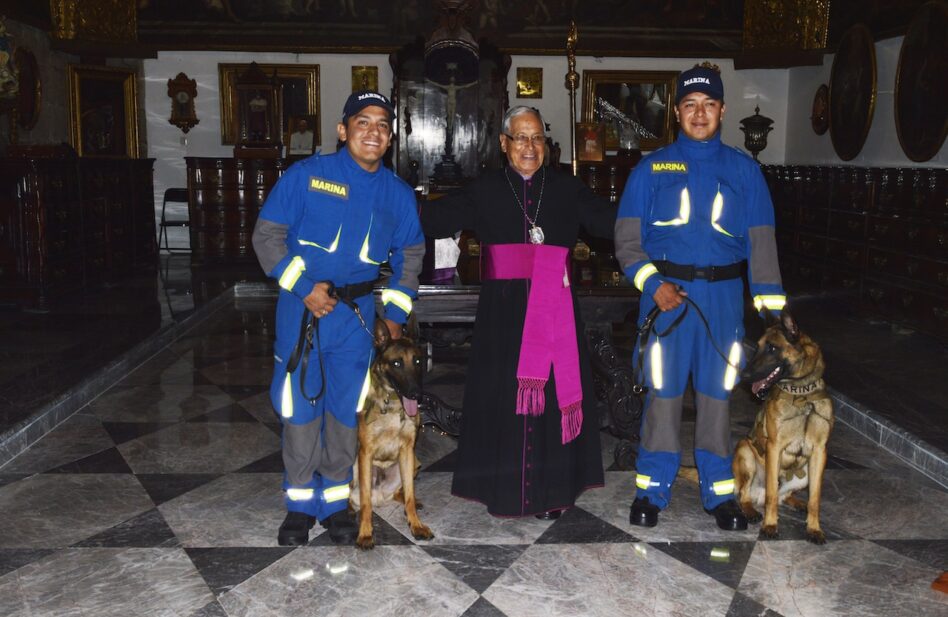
{"points": [[338, 222], [700, 204]]}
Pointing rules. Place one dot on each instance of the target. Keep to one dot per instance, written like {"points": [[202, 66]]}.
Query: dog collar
{"points": [[796, 390]]}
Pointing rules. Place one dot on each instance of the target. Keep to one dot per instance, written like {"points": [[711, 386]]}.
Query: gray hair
{"points": [[519, 110]]}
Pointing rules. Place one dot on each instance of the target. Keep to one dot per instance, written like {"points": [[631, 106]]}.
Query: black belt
{"points": [[356, 290], [711, 274]]}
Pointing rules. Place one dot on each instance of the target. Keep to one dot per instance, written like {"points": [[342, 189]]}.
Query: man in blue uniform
{"points": [[326, 226], [691, 214]]}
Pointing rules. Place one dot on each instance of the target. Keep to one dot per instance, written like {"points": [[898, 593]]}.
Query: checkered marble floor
{"points": [[162, 498]]}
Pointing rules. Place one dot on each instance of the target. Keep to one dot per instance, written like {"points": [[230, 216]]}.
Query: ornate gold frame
{"points": [[77, 74], [593, 79], [228, 74], [529, 82]]}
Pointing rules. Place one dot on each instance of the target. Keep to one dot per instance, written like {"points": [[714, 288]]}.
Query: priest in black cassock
{"points": [[529, 440]]}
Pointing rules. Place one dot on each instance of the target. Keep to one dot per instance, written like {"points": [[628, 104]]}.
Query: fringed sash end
{"points": [[530, 397], [572, 421]]}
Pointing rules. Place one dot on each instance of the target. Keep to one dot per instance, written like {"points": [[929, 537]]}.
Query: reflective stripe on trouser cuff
{"points": [[723, 487], [336, 493], [774, 303], [299, 494], [734, 361], [292, 273], [398, 298], [365, 389], [642, 275], [655, 358], [645, 482], [286, 400]]}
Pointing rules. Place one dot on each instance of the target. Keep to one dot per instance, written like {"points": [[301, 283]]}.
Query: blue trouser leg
{"points": [[319, 439]]}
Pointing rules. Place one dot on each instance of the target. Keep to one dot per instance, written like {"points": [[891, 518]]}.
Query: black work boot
{"points": [[729, 516], [643, 513], [295, 529], [342, 527]]}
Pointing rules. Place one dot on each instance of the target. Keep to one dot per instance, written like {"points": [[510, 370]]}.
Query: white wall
{"points": [[743, 90], [882, 149]]}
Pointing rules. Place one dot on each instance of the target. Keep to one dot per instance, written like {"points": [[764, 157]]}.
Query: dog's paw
{"points": [[770, 531], [754, 517], [815, 536], [421, 532], [365, 542]]}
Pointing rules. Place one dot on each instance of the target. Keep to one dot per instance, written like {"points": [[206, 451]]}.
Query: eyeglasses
{"points": [[522, 140]]}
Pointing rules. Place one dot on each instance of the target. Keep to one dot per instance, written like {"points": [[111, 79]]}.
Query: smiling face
{"points": [[527, 158], [699, 116], [368, 135]]}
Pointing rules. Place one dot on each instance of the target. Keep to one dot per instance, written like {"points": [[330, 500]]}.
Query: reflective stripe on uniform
{"points": [[292, 273], [299, 494], [398, 298], [642, 275], [723, 487], [734, 361], [774, 303], [655, 357], [684, 211], [364, 253], [365, 389], [331, 248], [716, 209], [642, 481], [336, 493], [286, 400]]}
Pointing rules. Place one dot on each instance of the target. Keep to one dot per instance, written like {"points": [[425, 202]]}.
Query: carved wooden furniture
{"points": [[877, 237], [224, 198], [69, 223]]}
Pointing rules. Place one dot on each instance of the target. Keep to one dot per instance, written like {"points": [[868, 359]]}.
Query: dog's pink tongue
{"points": [[411, 407], [757, 385]]}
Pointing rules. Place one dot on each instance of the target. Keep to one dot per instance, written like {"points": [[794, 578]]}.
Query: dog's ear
{"points": [[790, 328], [382, 336], [411, 327], [769, 318]]}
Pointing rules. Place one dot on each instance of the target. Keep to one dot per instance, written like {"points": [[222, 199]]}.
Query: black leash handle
{"points": [[647, 329], [309, 331]]}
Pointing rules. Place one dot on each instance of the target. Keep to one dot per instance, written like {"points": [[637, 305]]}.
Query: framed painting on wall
{"points": [[636, 101], [103, 113], [852, 94], [299, 95]]}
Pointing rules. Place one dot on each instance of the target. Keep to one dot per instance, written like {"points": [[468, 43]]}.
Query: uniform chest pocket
{"points": [[377, 241], [727, 211], [321, 226], [671, 202]]}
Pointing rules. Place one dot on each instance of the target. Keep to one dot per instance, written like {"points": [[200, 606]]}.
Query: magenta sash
{"points": [[549, 329]]}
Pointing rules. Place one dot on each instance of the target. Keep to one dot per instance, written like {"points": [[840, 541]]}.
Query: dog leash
{"points": [[309, 332], [648, 329]]}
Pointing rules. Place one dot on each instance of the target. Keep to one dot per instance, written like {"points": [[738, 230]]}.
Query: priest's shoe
{"points": [[295, 529], [549, 515], [342, 527], [729, 516], [643, 513]]}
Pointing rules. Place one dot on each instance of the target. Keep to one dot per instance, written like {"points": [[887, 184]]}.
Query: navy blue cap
{"points": [[699, 79], [358, 101]]}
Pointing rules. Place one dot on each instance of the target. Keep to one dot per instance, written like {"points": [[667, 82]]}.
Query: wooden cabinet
{"points": [[877, 237], [224, 198], [68, 223]]}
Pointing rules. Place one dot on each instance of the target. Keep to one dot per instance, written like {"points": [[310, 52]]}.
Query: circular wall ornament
{"points": [[921, 115], [819, 117], [852, 94]]}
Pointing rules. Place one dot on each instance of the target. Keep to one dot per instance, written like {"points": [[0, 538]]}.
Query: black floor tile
{"points": [[577, 526], [478, 565], [483, 608], [13, 558], [107, 461], [742, 606], [230, 413], [162, 487], [722, 561], [930, 552], [127, 431], [146, 530], [225, 568]]}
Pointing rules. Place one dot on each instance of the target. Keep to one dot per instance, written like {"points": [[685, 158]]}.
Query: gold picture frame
{"points": [[299, 94], [529, 82], [103, 111], [590, 142], [365, 78], [644, 96], [852, 91]]}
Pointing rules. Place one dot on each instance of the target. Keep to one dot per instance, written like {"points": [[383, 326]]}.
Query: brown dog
{"points": [[786, 449], [388, 425]]}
